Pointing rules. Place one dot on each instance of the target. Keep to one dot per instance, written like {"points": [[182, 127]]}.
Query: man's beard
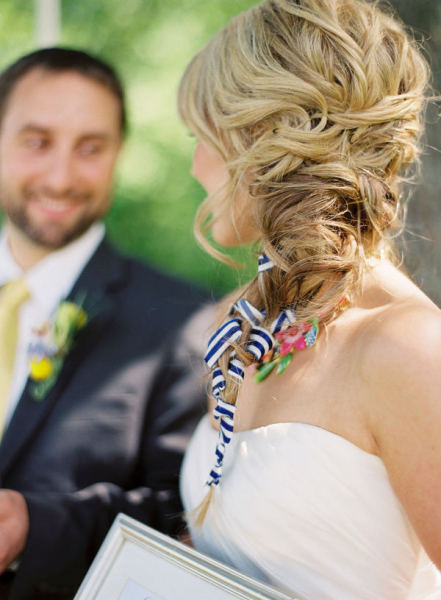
{"points": [[51, 235]]}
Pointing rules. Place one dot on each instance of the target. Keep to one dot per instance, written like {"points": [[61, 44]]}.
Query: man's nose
{"points": [[60, 176]]}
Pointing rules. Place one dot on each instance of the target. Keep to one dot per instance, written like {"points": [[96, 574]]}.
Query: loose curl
{"points": [[316, 106]]}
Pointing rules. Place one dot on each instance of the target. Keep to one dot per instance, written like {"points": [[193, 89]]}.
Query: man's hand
{"points": [[14, 526]]}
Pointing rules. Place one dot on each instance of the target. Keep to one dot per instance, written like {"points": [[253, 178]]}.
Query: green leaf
{"points": [[314, 322], [264, 371], [39, 389], [283, 363]]}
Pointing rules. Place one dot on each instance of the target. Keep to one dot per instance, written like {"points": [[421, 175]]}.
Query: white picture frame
{"points": [[135, 562]]}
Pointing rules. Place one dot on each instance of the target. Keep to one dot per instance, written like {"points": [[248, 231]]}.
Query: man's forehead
{"points": [[64, 99]]}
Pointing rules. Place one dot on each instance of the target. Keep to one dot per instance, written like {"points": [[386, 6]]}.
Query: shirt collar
{"points": [[8, 267], [53, 277]]}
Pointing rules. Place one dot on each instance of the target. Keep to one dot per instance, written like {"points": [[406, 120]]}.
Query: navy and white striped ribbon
{"points": [[264, 263], [248, 311], [224, 412], [260, 342], [235, 367], [221, 340], [285, 319]]}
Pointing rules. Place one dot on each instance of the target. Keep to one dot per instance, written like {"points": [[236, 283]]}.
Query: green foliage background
{"points": [[150, 42]]}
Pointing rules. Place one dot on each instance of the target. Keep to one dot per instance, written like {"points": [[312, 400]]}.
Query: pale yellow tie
{"points": [[12, 296]]}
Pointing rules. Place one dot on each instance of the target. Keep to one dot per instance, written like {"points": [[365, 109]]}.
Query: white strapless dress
{"points": [[308, 512]]}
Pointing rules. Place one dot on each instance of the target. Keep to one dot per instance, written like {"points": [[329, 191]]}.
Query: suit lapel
{"points": [[105, 272]]}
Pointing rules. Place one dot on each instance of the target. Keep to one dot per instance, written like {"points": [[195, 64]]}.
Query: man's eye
{"points": [[36, 142], [89, 149]]}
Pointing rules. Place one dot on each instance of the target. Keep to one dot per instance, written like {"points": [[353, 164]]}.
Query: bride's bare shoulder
{"points": [[400, 384], [399, 354], [400, 325], [400, 321], [395, 347], [405, 331]]}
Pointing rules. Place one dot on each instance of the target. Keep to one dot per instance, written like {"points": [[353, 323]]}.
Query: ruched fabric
{"points": [[309, 512]]}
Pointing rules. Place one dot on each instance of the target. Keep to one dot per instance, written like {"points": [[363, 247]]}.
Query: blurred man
{"points": [[91, 425]]}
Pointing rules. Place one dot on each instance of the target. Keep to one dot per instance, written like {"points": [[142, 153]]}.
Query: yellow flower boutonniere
{"points": [[53, 341]]}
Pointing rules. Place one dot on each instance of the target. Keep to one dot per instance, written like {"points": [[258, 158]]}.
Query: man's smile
{"points": [[57, 209]]}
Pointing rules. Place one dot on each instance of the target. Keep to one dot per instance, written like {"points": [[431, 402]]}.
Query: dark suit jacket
{"points": [[109, 436]]}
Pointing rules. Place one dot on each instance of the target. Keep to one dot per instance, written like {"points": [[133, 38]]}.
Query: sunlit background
{"points": [[150, 42]]}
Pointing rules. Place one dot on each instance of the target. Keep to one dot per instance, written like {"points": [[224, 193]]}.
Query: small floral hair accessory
{"points": [[296, 337]]}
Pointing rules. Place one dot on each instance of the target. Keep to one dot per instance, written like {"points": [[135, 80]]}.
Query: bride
{"points": [[327, 365]]}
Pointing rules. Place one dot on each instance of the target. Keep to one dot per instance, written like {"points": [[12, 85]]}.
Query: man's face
{"points": [[59, 140]]}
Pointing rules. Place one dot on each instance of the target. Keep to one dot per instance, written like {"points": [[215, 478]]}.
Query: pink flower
{"points": [[285, 348], [287, 333], [300, 343], [293, 337]]}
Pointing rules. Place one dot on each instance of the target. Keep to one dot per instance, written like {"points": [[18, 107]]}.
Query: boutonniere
{"points": [[52, 343]]}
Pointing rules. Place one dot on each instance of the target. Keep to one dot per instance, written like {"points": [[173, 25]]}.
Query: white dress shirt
{"points": [[49, 282]]}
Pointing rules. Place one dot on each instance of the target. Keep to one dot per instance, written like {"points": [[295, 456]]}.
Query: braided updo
{"points": [[315, 105]]}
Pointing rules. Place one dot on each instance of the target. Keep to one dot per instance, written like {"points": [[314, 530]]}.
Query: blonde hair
{"points": [[316, 106]]}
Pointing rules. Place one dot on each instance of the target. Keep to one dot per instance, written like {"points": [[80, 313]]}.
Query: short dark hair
{"points": [[59, 60]]}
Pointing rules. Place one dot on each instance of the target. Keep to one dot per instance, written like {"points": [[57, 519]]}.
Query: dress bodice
{"points": [[307, 511]]}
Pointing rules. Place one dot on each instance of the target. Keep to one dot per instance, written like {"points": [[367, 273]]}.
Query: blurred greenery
{"points": [[150, 42]]}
